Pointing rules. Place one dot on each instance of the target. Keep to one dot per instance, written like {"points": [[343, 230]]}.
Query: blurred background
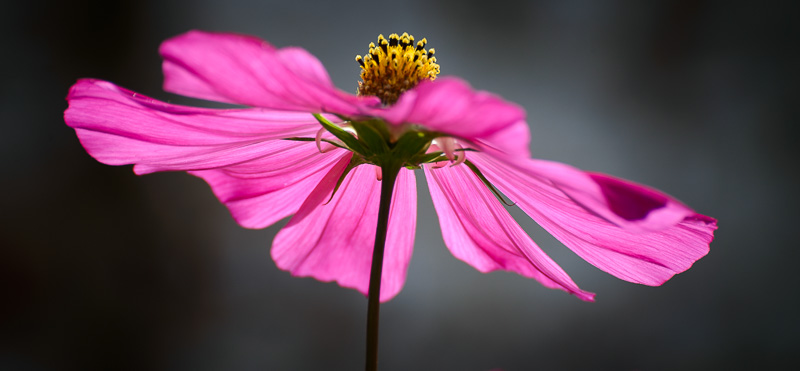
{"points": [[101, 269]]}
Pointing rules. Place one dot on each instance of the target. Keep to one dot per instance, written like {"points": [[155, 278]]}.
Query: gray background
{"points": [[101, 269]]}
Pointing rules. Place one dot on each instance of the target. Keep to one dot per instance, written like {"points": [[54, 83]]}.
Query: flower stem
{"points": [[389, 174]]}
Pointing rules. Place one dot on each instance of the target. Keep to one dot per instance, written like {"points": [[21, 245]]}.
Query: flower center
{"points": [[394, 66]]}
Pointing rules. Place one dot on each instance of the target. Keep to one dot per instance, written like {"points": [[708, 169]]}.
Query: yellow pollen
{"points": [[395, 65]]}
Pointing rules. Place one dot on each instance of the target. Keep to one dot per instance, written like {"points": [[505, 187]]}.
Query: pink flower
{"points": [[275, 160]]}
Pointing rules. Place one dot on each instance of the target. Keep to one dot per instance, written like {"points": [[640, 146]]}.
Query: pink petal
{"points": [[513, 140], [479, 231], [630, 231], [449, 105], [260, 192], [334, 240], [246, 70], [118, 127], [304, 65]]}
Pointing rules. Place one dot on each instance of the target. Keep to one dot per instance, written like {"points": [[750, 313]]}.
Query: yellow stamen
{"points": [[395, 65]]}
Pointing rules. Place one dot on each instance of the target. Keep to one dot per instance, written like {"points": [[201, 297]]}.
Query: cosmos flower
{"points": [[310, 150]]}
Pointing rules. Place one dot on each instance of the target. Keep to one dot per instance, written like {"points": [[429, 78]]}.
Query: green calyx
{"points": [[375, 143]]}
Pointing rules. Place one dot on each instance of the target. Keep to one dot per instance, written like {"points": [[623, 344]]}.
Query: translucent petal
{"points": [[333, 241], [478, 230], [630, 231]]}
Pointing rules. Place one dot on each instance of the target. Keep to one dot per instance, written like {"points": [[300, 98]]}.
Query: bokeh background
{"points": [[104, 270]]}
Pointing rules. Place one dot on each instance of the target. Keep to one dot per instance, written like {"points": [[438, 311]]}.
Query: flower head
{"points": [[394, 66], [312, 151]]}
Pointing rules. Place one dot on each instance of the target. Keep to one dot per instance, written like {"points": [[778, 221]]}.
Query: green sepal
{"points": [[427, 158], [301, 139], [371, 137], [487, 183], [413, 143], [382, 128], [354, 161], [348, 139]]}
